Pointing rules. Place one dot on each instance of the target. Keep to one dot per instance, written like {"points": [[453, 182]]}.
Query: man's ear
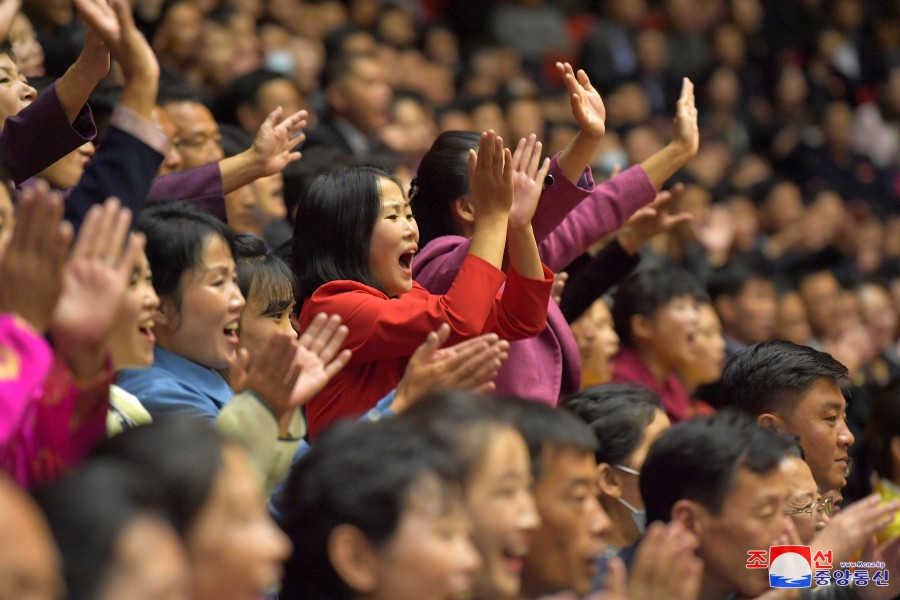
{"points": [[353, 558], [608, 481], [771, 421], [692, 515]]}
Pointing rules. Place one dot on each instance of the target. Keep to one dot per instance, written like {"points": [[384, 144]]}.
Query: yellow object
{"points": [[889, 491]]}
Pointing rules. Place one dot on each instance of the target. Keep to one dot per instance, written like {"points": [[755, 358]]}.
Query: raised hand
{"points": [[850, 529], [491, 175], [559, 286], [290, 372], [273, 147], [528, 181], [587, 105], [652, 220], [94, 282], [101, 18], [319, 356], [686, 131], [33, 255], [470, 365], [8, 11]]}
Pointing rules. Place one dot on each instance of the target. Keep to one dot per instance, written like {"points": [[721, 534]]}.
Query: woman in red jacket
{"points": [[354, 242]]}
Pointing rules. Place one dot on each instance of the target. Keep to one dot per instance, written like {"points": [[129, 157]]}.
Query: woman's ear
{"points": [[464, 209], [608, 481], [641, 327], [353, 558], [167, 312]]}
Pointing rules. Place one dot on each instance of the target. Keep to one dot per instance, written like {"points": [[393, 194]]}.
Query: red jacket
{"points": [[384, 332]]}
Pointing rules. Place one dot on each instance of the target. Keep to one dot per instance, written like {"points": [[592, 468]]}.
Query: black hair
{"points": [[884, 426], [699, 459], [179, 457], [333, 228], [176, 235], [234, 140], [643, 292], [730, 278], [361, 474], [88, 510], [243, 90], [300, 174], [618, 413], [7, 49], [772, 376], [262, 271], [462, 423], [443, 176], [546, 429], [339, 65]]}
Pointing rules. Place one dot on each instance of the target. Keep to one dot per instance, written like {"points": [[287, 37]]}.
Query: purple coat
{"points": [[41, 134], [568, 220]]}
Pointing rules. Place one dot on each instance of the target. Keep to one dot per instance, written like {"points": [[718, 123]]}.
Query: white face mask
{"points": [[639, 516]]}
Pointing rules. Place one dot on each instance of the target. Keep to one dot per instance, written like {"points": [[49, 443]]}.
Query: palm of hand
{"points": [[591, 115], [526, 194], [89, 300], [312, 377]]}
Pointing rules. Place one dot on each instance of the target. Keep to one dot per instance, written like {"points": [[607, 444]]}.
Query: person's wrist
{"points": [[681, 151]]}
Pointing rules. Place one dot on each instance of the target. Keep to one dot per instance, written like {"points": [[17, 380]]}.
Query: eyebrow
{"points": [[396, 205], [838, 406], [277, 305]]}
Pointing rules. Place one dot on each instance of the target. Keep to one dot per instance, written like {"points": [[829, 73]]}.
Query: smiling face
{"points": [[132, 339], [597, 342], [203, 325], [67, 171], [501, 506], [394, 241], [565, 546], [709, 359], [671, 332], [819, 420], [268, 314]]}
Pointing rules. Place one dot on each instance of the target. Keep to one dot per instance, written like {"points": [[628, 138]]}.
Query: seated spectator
{"points": [[798, 391], [104, 539], [627, 420], [388, 313], [415, 544], [597, 342], [743, 295], [214, 501], [709, 357], [655, 314], [492, 458], [719, 476]]}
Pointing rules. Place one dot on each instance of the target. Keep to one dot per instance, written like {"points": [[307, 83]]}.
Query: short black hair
{"points": [[333, 228], [243, 90], [772, 376], [261, 271], [180, 458], [88, 511], [443, 176], [699, 459], [618, 414], [643, 292], [546, 428], [357, 473], [176, 235], [730, 278], [460, 422]]}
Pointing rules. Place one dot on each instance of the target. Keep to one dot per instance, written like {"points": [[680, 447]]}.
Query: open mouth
{"points": [[231, 332], [514, 558], [406, 260], [146, 329]]}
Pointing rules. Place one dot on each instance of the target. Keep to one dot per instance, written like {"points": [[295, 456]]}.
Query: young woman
{"points": [[546, 367], [492, 459], [354, 242], [207, 489], [197, 329], [105, 539], [374, 512]]}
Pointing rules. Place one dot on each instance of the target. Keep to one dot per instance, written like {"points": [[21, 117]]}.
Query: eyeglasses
{"points": [[625, 469], [819, 508]]}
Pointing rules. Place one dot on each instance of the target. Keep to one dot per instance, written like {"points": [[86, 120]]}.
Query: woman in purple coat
{"points": [[573, 214]]}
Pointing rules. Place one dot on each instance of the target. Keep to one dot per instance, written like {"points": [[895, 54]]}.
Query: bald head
{"points": [[29, 561]]}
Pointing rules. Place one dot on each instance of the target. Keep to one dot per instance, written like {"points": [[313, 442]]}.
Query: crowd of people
{"points": [[393, 300]]}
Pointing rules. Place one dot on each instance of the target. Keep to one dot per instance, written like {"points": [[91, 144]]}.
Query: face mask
{"points": [[280, 61], [639, 516], [609, 160]]}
